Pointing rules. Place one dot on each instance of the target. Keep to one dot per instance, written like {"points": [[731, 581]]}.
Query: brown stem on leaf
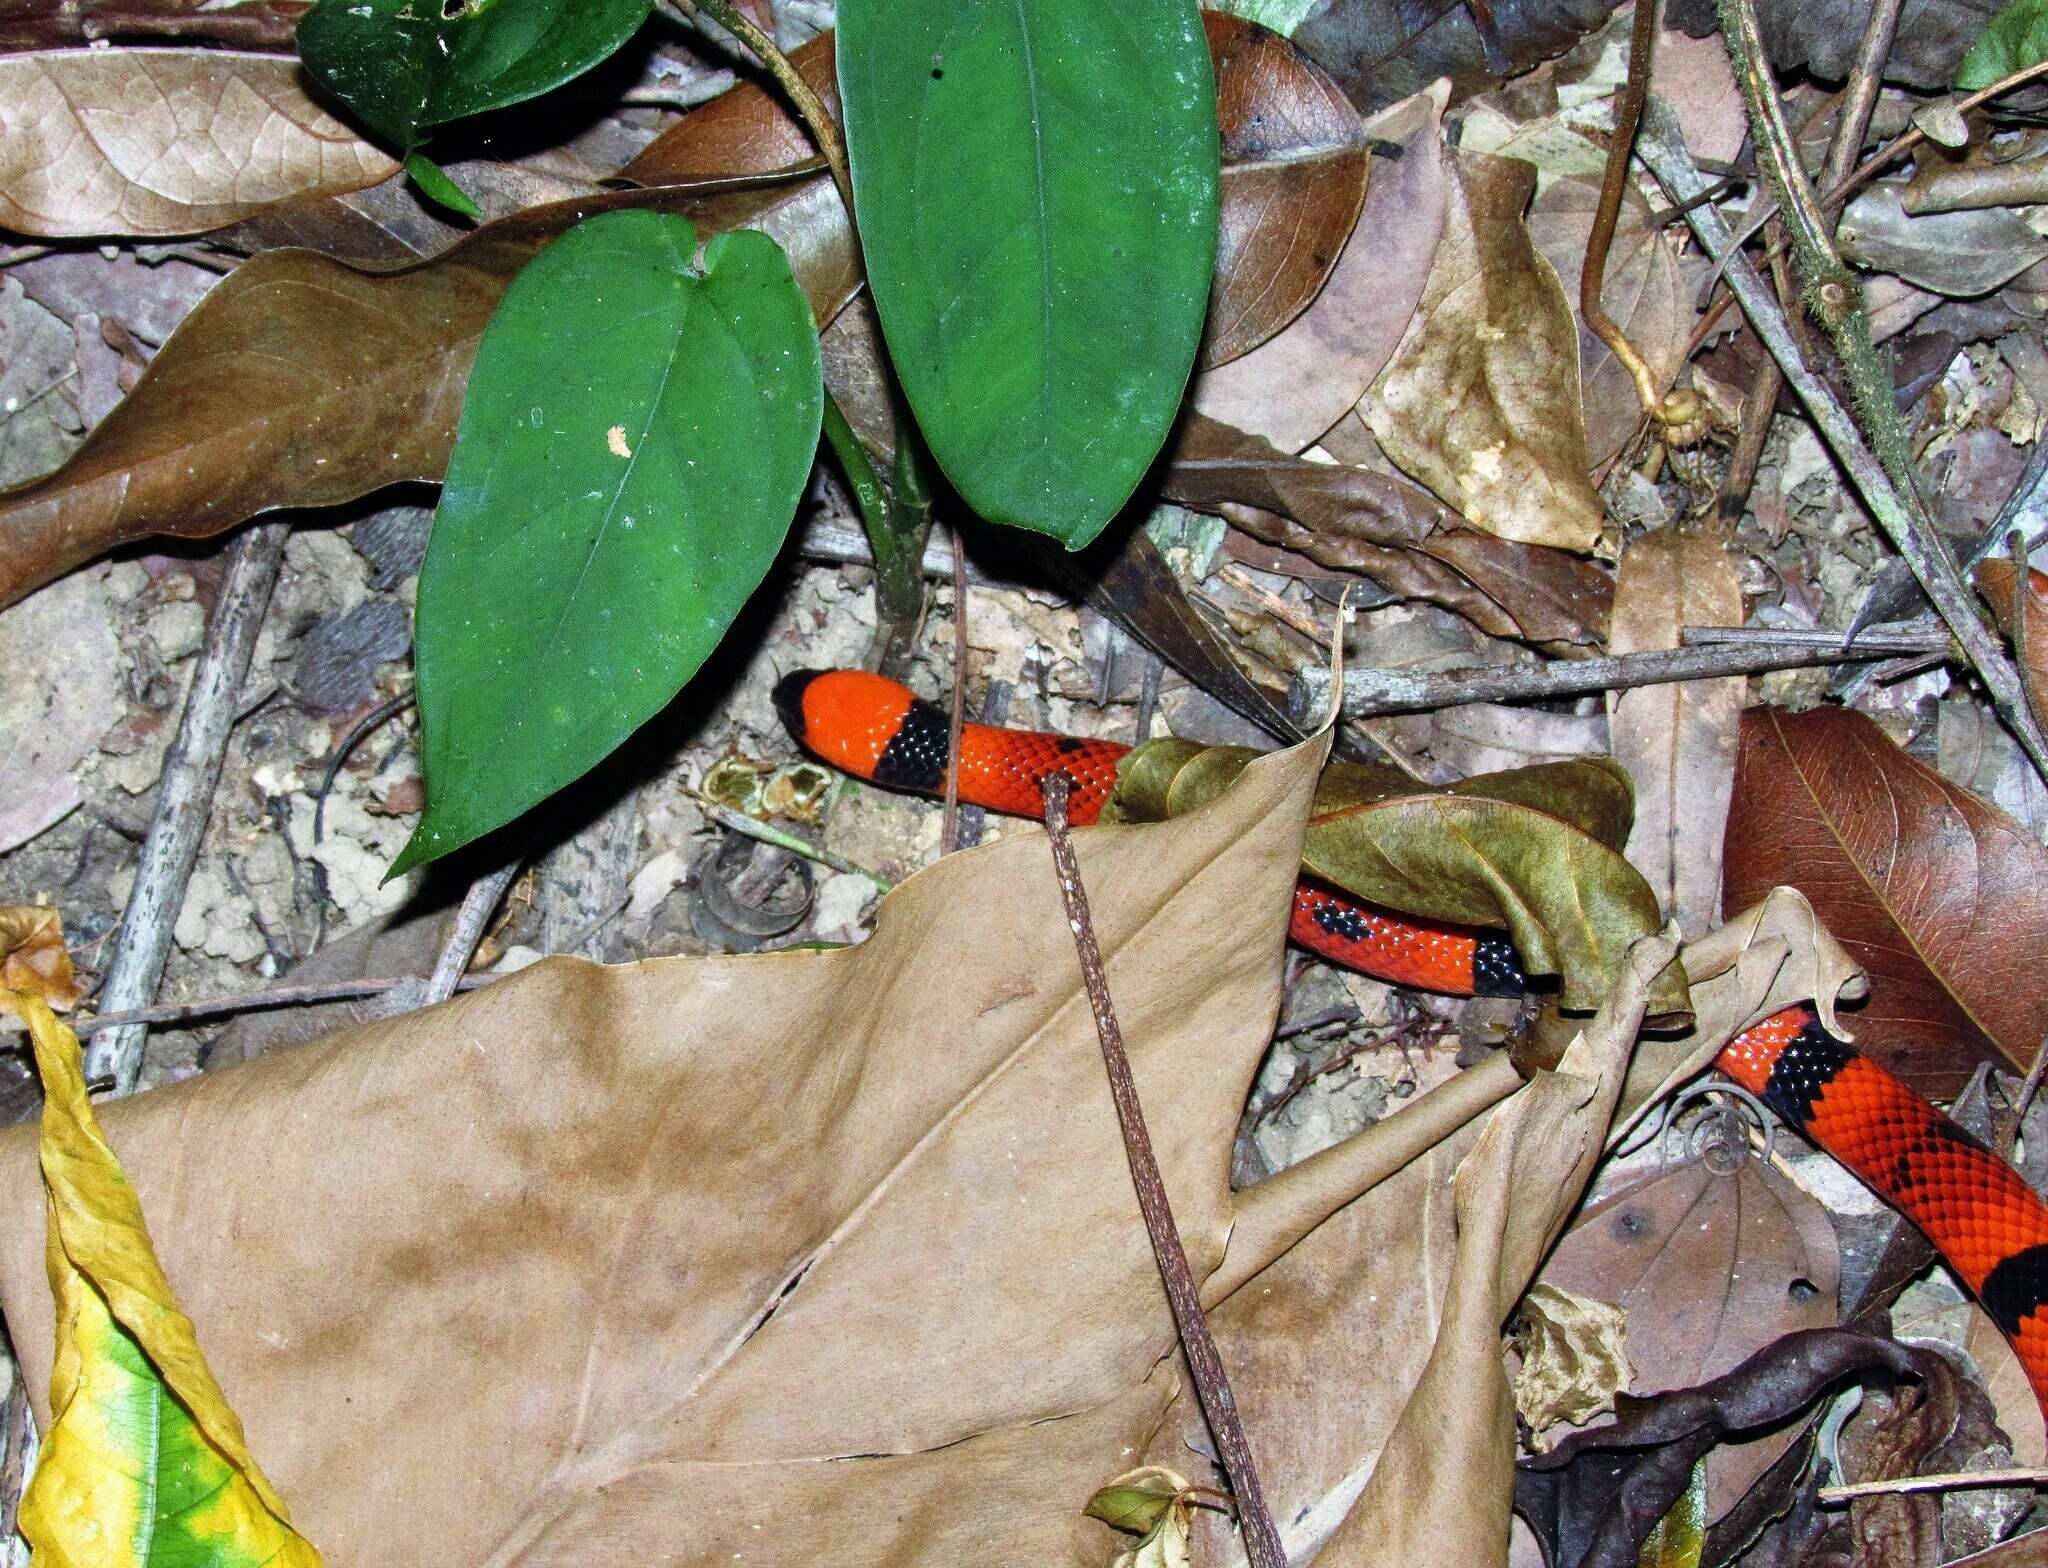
{"points": [[1212, 1383], [1628, 114], [949, 822], [816, 117]]}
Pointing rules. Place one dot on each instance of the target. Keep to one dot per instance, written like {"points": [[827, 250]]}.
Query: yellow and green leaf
{"points": [[145, 1465]]}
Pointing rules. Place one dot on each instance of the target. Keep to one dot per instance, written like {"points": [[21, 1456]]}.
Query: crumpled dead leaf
{"points": [[2026, 625], [1481, 400], [1150, 1501], [1532, 850], [1677, 740], [164, 141], [1574, 1356], [1630, 1471], [33, 958], [1353, 519]]}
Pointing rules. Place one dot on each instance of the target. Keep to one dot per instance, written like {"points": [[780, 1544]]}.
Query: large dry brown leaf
{"points": [[301, 381], [164, 141], [1481, 400], [1294, 386], [1942, 897], [1382, 49], [1356, 520], [816, 1254], [1649, 289], [1678, 740]]}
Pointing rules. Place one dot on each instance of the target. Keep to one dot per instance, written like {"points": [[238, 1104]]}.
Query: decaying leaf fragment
{"points": [[33, 958], [1481, 400], [1574, 1356], [143, 1460], [164, 141], [1155, 1503]]}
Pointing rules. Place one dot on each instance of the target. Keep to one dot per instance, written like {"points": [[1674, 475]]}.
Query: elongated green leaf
{"points": [[1037, 194], [630, 454], [2011, 41], [404, 66], [1534, 850]]}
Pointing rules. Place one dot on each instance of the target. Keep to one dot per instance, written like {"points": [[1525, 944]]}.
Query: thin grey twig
{"points": [[387, 709], [949, 821], [995, 707], [1874, 641], [307, 995], [1663, 150], [1368, 693], [478, 905], [185, 799], [1212, 1383]]}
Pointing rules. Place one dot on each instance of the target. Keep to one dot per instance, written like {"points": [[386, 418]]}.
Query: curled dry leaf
{"points": [[33, 958], [1574, 1351], [1649, 290], [717, 1221], [302, 381], [1353, 519], [1481, 400], [1594, 1497], [2026, 624], [164, 141], [1677, 741], [1150, 1501], [1942, 897], [1384, 49], [1294, 386], [1531, 850]]}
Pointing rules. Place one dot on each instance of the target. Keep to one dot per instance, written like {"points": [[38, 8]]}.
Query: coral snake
{"points": [[1988, 1224]]}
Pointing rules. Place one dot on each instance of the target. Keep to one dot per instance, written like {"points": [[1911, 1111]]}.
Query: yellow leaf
{"points": [[33, 959], [144, 1461]]}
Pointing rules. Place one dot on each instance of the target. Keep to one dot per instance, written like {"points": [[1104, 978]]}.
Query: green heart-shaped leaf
{"points": [[631, 451], [405, 66], [1037, 195]]}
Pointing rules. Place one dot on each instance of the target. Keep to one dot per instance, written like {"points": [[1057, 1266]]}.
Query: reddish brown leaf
{"points": [[1294, 167], [1941, 896], [1296, 385], [744, 131], [1399, 535], [301, 381], [2026, 624]]}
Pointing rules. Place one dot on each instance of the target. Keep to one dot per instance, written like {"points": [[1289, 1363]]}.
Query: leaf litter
{"points": [[1331, 1341]]}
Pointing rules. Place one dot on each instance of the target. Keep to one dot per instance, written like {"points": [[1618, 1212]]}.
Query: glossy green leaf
{"points": [[405, 66], [1037, 194], [634, 441], [436, 185], [2011, 41], [1534, 850]]}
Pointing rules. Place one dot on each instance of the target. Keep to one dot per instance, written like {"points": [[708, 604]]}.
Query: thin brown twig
{"points": [[1950, 1481], [956, 720], [1628, 114], [478, 905], [816, 117], [308, 994], [1212, 1382], [1368, 693]]}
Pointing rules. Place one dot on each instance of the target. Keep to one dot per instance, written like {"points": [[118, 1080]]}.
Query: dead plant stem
{"points": [[1628, 114], [1212, 1383], [191, 776], [956, 719]]}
